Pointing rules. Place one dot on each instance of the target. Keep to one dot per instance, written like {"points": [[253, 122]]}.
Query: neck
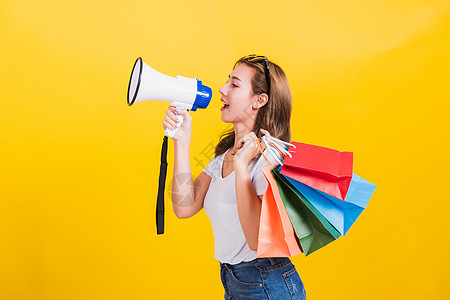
{"points": [[241, 129]]}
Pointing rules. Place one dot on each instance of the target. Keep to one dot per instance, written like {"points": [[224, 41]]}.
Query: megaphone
{"points": [[182, 92]]}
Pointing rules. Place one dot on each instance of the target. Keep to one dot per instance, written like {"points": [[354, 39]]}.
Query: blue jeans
{"points": [[262, 278]]}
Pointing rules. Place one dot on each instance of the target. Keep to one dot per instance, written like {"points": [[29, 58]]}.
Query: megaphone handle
{"points": [[171, 132]]}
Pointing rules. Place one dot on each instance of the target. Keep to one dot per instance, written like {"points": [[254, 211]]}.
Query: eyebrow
{"points": [[234, 77]]}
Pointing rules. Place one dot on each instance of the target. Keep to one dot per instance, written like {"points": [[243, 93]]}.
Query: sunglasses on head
{"points": [[253, 58]]}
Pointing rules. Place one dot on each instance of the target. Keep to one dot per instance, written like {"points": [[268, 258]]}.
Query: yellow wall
{"points": [[79, 168]]}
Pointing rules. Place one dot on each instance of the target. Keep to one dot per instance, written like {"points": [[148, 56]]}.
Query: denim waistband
{"points": [[260, 263]]}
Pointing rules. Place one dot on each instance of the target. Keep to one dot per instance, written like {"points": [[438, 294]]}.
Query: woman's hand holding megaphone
{"points": [[171, 121]]}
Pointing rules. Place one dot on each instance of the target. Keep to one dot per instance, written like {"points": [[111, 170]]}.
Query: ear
{"points": [[260, 101]]}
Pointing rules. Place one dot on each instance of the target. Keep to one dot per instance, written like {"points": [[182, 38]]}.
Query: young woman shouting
{"points": [[255, 98]]}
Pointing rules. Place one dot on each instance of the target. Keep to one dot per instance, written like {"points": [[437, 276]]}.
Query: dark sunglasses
{"points": [[253, 58]]}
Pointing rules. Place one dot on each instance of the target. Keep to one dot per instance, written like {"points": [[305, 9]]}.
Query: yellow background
{"points": [[79, 168]]}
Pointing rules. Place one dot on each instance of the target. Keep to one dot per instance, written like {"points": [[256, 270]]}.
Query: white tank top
{"points": [[221, 207]]}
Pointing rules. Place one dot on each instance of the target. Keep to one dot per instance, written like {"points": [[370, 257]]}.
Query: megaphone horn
{"points": [[147, 84]]}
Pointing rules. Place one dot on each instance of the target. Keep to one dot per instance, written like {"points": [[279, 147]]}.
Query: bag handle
{"points": [[275, 147]]}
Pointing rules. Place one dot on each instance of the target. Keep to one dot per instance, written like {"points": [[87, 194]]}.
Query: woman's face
{"points": [[237, 96]]}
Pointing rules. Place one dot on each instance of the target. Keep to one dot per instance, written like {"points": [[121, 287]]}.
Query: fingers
{"points": [[168, 123], [247, 148], [185, 113], [247, 139], [167, 126], [170, 119], [265, 132], [250, 137], [171, 111]]}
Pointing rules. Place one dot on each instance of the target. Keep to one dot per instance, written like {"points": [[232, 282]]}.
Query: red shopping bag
{"points": [[327, 170], [276, 236]]}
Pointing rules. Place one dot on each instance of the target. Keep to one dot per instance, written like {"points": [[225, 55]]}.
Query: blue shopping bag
{"points": [[341, 214]]}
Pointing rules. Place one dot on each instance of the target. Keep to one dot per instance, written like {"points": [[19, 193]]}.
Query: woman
{"points": [[231, 186]]}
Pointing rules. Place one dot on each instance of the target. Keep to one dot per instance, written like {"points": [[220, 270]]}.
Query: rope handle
{"points": [[277, 148]]}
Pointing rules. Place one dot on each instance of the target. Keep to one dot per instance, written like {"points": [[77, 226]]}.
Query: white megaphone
{"points": [[182, 92]]}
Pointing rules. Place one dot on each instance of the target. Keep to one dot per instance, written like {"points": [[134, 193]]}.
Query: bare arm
{"points": [[187, 195], [249, 206]]}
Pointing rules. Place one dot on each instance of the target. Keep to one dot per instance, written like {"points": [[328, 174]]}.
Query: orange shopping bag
{"points": [[276, 235]]}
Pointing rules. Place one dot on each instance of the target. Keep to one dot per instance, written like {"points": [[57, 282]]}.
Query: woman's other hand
{"points": [[247, 149], [170, 121]]}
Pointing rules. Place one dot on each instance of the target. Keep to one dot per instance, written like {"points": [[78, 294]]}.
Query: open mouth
{"points": [[225, 106]]}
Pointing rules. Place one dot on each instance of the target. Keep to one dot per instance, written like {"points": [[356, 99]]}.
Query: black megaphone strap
{"points": [[161, 187]]}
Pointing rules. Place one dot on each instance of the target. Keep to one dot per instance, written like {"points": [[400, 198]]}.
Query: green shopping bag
{"points": [[310, 226]]}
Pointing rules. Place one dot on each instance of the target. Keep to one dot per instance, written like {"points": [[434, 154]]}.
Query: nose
{"points": [[222, 89]]}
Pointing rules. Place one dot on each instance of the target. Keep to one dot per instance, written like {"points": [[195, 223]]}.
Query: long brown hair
{"points": [[275, 115]]}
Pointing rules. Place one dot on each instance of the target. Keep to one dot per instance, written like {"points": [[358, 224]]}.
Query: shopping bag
{"points": [[324, 169], [276, 236], [312, 229], [341, 214]]}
